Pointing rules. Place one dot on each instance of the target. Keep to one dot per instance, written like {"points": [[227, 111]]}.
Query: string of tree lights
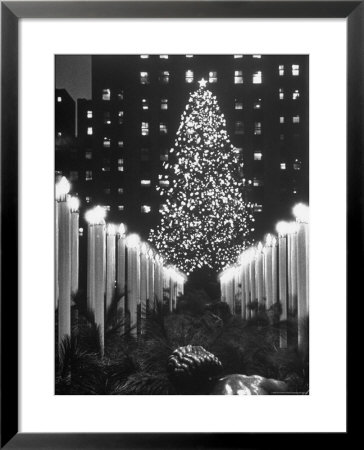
{"points": [[204, 220]]}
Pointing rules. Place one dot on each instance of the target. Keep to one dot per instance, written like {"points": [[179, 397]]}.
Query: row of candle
{"points": [[275, 272], [116, 262]]}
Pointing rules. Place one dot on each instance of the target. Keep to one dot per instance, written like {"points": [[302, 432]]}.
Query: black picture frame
{"points": [[11, 13]]}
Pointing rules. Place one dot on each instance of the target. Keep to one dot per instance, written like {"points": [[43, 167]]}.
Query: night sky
{"points": [[73, 73]]}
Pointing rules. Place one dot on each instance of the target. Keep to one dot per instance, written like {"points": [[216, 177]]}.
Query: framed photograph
{"points": [[181, 191]]}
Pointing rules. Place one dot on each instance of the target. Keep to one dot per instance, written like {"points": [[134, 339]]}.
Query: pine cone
{"points": [[192, 368]]}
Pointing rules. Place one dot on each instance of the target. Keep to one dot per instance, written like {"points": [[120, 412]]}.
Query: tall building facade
{"points": [[126, 131]]}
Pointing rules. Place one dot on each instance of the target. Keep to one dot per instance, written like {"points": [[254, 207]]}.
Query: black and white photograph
{"points": [[181, 224]]}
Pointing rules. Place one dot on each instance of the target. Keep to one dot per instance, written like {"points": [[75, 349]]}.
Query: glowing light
{"points": [[96, 216], [132, 240], [144, 248], [202, 83], [122, 230], [150, 253], [282, 228], [260, 246], [268, 240], [111, 229], [62, 189], [74, 204], [301, 212]]}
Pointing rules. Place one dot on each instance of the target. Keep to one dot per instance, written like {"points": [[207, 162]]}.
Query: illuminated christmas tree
{"points": [[205, 221]]}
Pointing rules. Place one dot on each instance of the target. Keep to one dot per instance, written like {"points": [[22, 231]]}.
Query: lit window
{"points": [[145, 104], [88, 175], [145, 128], [120, 164], [164, 76], [297, 165], [281, 137], [295, 94], [120, 117], [238, 104], [283, 166], [120, 191], [88, 199], [106, 169], [257, 77], [73, 175], [281, 70], [120, 144], [59, 99], [163, 183], [89, 114], [144, 77], [238, 56], [281, 119], [238, 76], [106, 143], [258, 156], [120, 207], [80, 232], [239, 127], [294, 191], [163, 56], [257, 56], [88, 155], [107, 119], [162, 128], [145, 183], [144, 154], [295, 70], [106, 94], [296, 119], [258, 208], [257, 182], [59, 133], [257, 104], [189, 56], [107, 191], [164, 103], [164, 157], [145, 209], [258, 128], [239, 150], [144, 56], [213, 77], [189, 76], [281, 94], [89, 130], [107, 207], [120, 94]]}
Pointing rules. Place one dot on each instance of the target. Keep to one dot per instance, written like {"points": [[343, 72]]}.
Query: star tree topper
{"points": [[202, 83]]}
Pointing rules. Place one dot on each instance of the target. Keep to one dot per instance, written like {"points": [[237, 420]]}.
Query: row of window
{"points": [[239, 128]]}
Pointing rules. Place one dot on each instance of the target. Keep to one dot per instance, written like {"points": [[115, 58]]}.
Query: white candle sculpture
{"points": [[64, 260], [96, 268], [252, 280], [151, 289], [301, 213], [74, 205], [283, 229], [268, 272], [110, 264], [143, 276], [259, 275], [133, 279]]}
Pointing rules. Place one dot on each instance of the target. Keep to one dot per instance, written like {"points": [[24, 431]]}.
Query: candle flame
{"points": [[62, 189], [122, 230], [132, 240], [111, 229], [268, 240], [96, 216], [282, 228], [73, 204], [301, 212]]}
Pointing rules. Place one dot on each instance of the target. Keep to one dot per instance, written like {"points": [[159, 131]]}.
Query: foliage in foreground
{"points": [[139, 365]]}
